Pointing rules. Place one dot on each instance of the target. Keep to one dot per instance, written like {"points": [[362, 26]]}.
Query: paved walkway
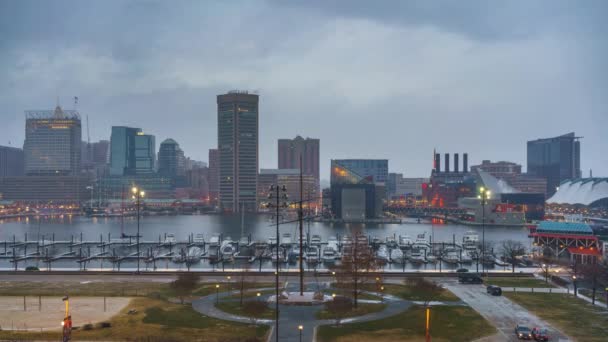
{"points": [[500, 311], [292, 316]]}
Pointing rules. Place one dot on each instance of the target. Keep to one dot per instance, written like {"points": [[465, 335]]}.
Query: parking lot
{"points": [[499, 311]]}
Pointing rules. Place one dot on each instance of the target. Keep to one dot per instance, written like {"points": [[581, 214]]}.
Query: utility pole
{"points": [[301, 217], [274, 193]]}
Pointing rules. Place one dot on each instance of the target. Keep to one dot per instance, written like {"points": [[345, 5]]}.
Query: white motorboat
{"points": [[215, 240], [280, 257], [243, 241], [405, 242], [312, 254], [421, 241], [199, 239], [451, 257], [397, 255], [382, 254], [315, 239], [227, 249], [272, 241], [466, 258], [194, 255], [431, 258], [330, 253], [470, 240], [417, 256], [391, 242], [170, 238], [286, 239]]}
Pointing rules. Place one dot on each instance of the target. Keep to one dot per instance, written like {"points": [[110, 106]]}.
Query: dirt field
{"points": [[49, 317]]}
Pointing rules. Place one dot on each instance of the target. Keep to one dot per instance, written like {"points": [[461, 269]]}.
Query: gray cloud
{"points": [[392, 79]]}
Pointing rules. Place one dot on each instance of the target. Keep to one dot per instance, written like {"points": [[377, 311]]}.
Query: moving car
{"points": [[469, 278], [540, 334], [523, 332], [494, 290]]}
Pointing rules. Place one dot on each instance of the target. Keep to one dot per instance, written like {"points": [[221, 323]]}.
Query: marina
{"points": [[209, 242]]}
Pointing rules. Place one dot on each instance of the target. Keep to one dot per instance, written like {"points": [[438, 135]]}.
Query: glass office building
{"points": [[556, 159], [131, 151]]}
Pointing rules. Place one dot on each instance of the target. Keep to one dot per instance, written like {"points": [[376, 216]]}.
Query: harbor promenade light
{"points": [[300, 328], [484, 195]]}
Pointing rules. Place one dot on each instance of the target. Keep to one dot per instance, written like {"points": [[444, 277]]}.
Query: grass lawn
{"points": [[410, 293], [155, 320], [250, 293], [234, 308], [109, 289], [599, 294], [517, 282], [362, 309], [448, 323], [575, 317]]}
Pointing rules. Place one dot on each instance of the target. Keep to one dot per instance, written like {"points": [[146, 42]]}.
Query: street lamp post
{"points": [[217, 294], [427, 334], [574, 284], [275, 194], [300, 328], [138, 194], [484, 195]]}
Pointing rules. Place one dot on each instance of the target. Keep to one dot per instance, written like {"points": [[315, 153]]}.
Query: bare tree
{"points": [[242, 278], [511, 250], [357, 267], [595, 274], [184, 285]]}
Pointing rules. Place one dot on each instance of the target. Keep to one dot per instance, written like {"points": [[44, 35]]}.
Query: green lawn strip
{"points": [[517, 282], [362, 309], [574, 316], [599, 294], [448, 323], [250, 294], [410, 293], [109, 289], [210, 288], [234, 307], [348, 293]]}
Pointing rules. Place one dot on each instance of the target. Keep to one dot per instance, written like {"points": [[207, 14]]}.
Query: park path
{"points": [[500, 311], [292, 316]]}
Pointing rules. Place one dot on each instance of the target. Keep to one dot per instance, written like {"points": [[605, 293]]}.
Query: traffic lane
{"points": [[500, 311]]}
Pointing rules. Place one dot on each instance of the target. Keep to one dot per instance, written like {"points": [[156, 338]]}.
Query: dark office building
{"points": [[52, 188], [355, 196], [11, 161], [290, 151], [237, 118], [171, 159], [555, 159]]}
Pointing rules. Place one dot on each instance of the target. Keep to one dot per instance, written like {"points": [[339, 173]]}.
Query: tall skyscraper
{"points": [[555, 159], [11, 161], [214, 175], [171, 159], [290, 151], [237, 118], [131, 151], [52, 142]]}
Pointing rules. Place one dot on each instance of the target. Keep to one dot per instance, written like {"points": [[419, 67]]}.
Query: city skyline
{"points": [[438, 96]]}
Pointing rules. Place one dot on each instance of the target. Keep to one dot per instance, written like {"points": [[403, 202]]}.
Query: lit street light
{"points": [[574, 284], [138, 195], [300, 328], [484, 195], [217, 294]]}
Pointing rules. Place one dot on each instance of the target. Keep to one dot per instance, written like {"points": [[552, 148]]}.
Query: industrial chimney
{"points": [[437, 162], [447, 162], [465, 162], [456, 162]]}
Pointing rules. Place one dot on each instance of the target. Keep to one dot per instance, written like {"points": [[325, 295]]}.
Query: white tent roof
{"points": [[581, 191]]}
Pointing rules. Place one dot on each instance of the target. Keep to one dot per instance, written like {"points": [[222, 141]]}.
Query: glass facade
{"points": [[555, 159], [354, 170], [131, 151], [238, 150]]}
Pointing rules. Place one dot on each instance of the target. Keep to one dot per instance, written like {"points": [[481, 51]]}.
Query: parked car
{"points": [[494, 290], [523, 332], [32, 268], [540, 334], [468, 278], [462, 270]]}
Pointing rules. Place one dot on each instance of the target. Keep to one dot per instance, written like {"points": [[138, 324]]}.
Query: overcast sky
{"points": [[371, 79]]}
